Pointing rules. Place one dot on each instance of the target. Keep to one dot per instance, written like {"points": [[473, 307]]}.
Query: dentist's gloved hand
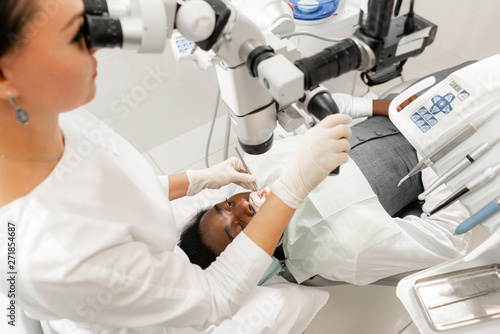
{"points": [[224, 173], [323, 148]]}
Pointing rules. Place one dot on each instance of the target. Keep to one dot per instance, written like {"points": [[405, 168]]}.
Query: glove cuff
{"points": [[285, 195], [197, 181]]}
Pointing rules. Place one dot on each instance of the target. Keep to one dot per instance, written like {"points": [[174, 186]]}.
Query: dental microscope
{"points": [[262, 78]]}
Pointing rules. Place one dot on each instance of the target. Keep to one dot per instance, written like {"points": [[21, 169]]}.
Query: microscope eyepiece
{"points": [[96, 7], [102, 32]]}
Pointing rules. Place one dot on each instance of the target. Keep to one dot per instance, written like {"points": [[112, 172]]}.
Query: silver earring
{"points": [[21, 115]]}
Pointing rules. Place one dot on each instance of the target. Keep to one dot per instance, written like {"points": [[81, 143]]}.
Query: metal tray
{"points": [[461, 297]]}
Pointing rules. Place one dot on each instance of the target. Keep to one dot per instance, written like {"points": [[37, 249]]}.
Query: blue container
{"points": [[310, 10]]}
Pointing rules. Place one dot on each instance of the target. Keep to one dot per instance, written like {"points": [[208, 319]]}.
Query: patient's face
{"points": [[224, 221]]}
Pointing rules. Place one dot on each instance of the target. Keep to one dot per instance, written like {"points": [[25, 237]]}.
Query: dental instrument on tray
{"points": [[461, 165], [448, 146], [255, 187], [477, 182], [462, 299], [480, 216]]}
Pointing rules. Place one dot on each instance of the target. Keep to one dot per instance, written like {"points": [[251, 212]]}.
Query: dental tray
{"points": [[460, 298], [446, 109]]}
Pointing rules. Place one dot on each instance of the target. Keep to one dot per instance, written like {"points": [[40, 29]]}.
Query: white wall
{"points": [[150, 99]]}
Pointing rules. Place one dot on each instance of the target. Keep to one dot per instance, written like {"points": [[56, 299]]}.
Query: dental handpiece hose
{"points": [[486, 176], [461, 165]]}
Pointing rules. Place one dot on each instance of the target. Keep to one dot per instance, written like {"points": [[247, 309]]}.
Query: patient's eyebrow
{"points": [[228, 232]]}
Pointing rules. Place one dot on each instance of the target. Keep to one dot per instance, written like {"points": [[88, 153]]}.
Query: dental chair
{"points": [[186, 207], [414, 208]]}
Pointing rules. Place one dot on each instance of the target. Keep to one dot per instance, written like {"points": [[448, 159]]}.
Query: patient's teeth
{"points": [[257, 198], [256, 201]]}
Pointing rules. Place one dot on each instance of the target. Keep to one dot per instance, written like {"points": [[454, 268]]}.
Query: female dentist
{"points": [[89, 223]]}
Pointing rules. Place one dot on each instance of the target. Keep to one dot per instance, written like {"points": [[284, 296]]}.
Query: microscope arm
{"points": [[257, 79]]}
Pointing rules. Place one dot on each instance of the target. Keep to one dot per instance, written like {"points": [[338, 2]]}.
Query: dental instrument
{"points": [[462, 299], [449, 145], [255, 187], [461, 165], [487, 175], [485, 212]]}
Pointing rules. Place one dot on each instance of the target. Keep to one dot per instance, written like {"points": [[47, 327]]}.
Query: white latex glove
{"points": [[323, 148], [224, 173]]}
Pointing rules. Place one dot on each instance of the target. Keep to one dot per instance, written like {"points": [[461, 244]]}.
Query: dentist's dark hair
{"points": [[191, 243], [14, 15]]}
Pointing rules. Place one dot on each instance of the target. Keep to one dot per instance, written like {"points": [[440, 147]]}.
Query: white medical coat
{"points": [[95, 244]]}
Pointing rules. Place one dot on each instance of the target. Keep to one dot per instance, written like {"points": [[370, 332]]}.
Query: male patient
{"points": [[348, 229]]}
